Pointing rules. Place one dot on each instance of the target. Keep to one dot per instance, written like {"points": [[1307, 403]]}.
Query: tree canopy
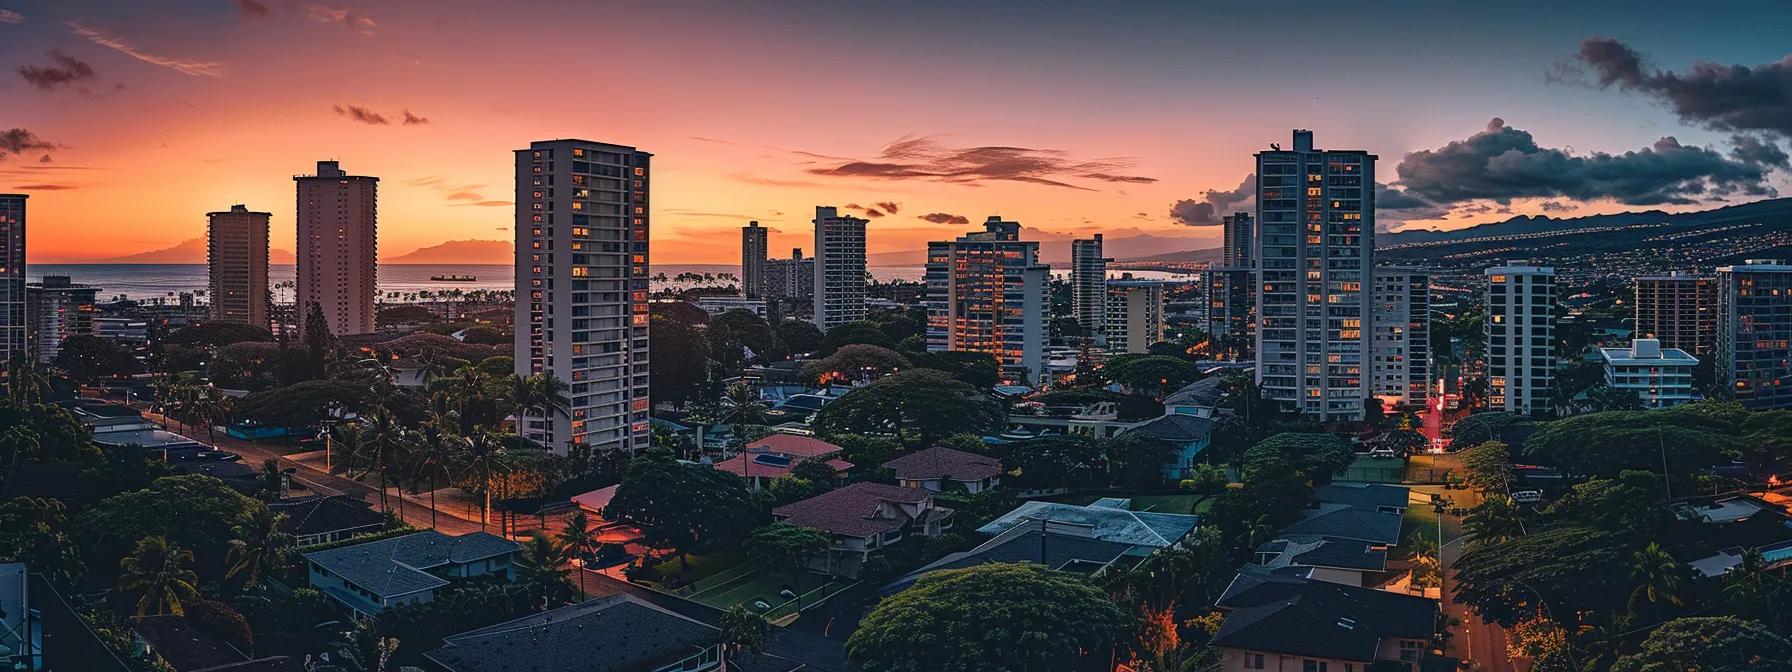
{"points": [[1156, 375], [1710, 644], [194, 512], [1570, 568], [1603, 444], [217, 334], [918, 406], [680, 362], [799, 336], [87, 358], [862, 331], [854, 362], [692, 507], [977, 369]]}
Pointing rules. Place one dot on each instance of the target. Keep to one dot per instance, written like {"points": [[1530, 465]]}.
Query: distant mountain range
{"points": [[451, 252], [187, 252], [1719, 235], [1770, 208], [1145, 247]]}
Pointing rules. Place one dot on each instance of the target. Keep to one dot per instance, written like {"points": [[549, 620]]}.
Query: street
{"points": [[1483, 643]]}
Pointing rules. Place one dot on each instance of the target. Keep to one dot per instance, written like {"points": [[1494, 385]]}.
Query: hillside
{"points": [[460, 252], [1649, 239], [1057, 252], [187, 252]]}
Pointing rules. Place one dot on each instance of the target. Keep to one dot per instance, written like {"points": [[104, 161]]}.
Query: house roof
{"points": [[1026, 543], [618, 632], [1342, 521], [323, 515], [1178, 427], [940, 462], [1369, 496], [1311, 551], [1104, 521], [268, 664], [795, 446], [852, 510], [1204, 392], [184, 647], [1300, 616], [393, 567]]}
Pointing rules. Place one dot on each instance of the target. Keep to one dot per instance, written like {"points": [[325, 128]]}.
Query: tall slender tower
{"points": [[12, 275], [581, 290], [338, 247], [1238, 244], [752, 260], [237, 264], [839, 268], [1316, 244], [1521, 338], [1754, 332], [1401, 366], [986, 293], [1679, 309], [1135, 314], [1089, 287]]}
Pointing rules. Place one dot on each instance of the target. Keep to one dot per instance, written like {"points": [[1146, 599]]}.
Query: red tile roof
{"points": [[795, 446], [852, 510], [941, 462]]}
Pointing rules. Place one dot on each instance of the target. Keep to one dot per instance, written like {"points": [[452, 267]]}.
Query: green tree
{"points": [[977, 369], [862, 331], [1659, 577], [1572, 568], [857, 361], [1496, 520], [579, 539], [680, 363], [544, 565], [743, 630], [87, 358], [260, 546], [1156, 375], [1603, 444], [799, 336], [1487, 467], [193, 512], [1318, 457], [36, 532], [1137, 459], [1710, 644], [787, 548], [1753, 589], [916, 406], [742, 407], [990, 618], [690, 507], [157, 571], [1480, 428]]}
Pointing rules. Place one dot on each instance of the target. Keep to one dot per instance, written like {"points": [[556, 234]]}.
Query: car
{"points": [[1384, 453], [210, 456], [1527, 496]]}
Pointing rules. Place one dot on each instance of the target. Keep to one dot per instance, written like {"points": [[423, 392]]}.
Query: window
{"points": [[1310, 665], [1253, 661]]}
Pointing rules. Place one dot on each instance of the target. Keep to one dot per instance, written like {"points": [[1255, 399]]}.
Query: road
{"points": [[1484, 643], [818, 653]]}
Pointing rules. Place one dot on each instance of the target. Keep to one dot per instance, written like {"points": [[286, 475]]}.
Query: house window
{"points": [[1410, 650], [1253, 661], [1313, 666]]}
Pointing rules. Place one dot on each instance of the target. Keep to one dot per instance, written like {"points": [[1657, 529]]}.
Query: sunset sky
{"points": [[127, 121]]}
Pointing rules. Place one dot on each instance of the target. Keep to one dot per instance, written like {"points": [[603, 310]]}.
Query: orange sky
{"points": [[193, 109]]}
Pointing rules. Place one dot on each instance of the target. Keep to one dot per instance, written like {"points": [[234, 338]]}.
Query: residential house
{"points": [[1711, 534], [1200, 398], [371, 577], [615, 633], [1188, 434], [178, 646], [321, 520], [776, 455], [1104, 520], [940, 468], [864, 518], [1344, 538], [1288, 623], [1061, 546]]}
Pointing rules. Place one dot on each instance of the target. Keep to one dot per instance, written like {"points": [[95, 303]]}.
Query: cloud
{"points": [[1213, 203], [1502, 163], [333, 12], [252, 9], [44, 159], [1751, 149], [944, 218], [361, 114], [413, 120], [9, 16], [181, 65], [489, 204], [66, 71], [19, 141], [871, 212], [918, 158], [889, 206], [770, 181], [45, 187], [1718, 96], [1555, 206]]}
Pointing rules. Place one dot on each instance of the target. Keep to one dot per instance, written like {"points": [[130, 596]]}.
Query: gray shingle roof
{"points": [[1310, 551], [1107, 523], [1345, 522], [940, 462], [1178, 427], [322, 515], [1204, 392], [1276, 613], [618, 632], [393, 567], [1024, 543], [1370, 496]]}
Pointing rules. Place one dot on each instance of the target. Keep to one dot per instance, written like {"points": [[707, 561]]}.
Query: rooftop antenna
{"points": [[1275, 146]]}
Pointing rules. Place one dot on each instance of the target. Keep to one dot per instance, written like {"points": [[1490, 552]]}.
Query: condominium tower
{"points": [[1088, 286], [1754, 332], [839, 268], [1400, 367], [56, 309], [752, 260], [236, 256], [1316, 244], [1678, 309], [1238, 250], [986, 292], [1135, 318], [581, 289], [1521, 339], [338, 247], [792, 278], [1230, 312], [12, 275]]}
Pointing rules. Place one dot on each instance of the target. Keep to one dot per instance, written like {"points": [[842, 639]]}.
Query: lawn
{"points": [[757, 586], [701, 567], [1375, 470], [1170, 503]]}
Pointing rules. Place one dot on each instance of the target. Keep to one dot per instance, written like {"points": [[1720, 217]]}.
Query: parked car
{"points": [[209, 456], [1527, 496]]}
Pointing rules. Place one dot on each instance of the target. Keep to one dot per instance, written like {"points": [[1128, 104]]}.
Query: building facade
{"points": [[792, 278], [582, 289], [56, 309], [752, 260], [1088, 286], [1754, 332], [986, 292], [1135, 318], [12, 275], [1401, 366], [1521, 339], [1315, 246], [839, 268], [1678, 309], [236, 262], [1237, 250], [1229, 312], [1660, 377], [338, 247]]}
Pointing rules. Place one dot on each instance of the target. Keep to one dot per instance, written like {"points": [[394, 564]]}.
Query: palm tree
{"points": [[743, 630], [1424, 563], [542, 392], [159, 570], [17, 444], [1752, 588], [273, 483], [436, 450], [1258, 532], [351, 441], [743, 407], [485, 452], [543, 564], [1658, 576], [260, 545], [386, 433], [1495, 520], [579, 537], [212, 407]]}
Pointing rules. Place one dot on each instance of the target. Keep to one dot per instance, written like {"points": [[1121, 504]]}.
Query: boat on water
{"points": [[454, 278]]}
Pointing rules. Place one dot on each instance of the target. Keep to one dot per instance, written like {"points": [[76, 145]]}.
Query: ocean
{"points": [[148, 281]]}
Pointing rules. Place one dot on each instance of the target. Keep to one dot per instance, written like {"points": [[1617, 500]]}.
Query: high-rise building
{"points": [[1678, 309], [1316, 244], [338, 247], [1754, 332], [1135, 318], [1088, 286], [1230, 312], [581, 289], [1659, 377], [12, 275], [57, 309], [839, 268], [792, 278], [1400, 369], [752, 260], [237, 264], [986, 292], [1521, 338], [1237, 250]]}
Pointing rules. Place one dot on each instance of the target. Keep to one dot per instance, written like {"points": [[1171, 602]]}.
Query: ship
{"points": [[454, 278]]}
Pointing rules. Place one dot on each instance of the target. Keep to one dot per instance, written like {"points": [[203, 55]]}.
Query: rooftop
{"points": [[1370, 496], [1311, 551], [393, 567], [322, 515], [1343, 521], [1053, 547], [1298, 616], [1107, 520], [1177, 427], [855, 510], [940, 462], [618, 632], [1204, 392]]}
